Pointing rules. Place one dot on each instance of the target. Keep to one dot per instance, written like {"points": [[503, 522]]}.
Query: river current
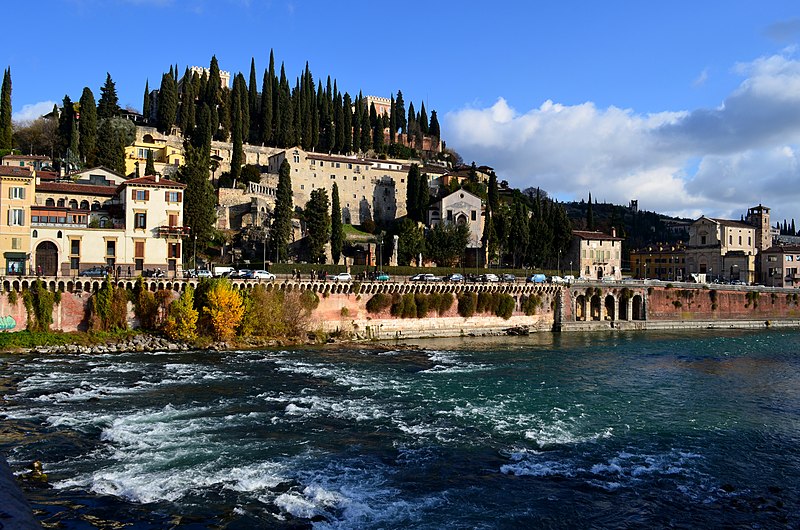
{"points": [[633, 430]]}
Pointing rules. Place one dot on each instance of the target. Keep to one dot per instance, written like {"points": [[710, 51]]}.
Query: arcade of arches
{"points": [[598, 306]]}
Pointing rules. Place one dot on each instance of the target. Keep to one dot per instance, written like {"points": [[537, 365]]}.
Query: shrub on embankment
{"points": [[410, 305]]}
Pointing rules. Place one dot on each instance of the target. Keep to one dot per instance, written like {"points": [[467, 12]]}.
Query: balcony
{"points": [[173, 232]]}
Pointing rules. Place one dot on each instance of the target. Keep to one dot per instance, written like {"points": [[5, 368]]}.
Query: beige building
{"points": [[134, 226], [781, 266], [368, 188], [32, 162], [167, 152], [661, 262], [16, 198], [596, 255], [721, 248]]}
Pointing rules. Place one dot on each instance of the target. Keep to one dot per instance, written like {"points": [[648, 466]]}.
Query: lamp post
{"points": [[558, 264], [570, 268], [194, 257]]}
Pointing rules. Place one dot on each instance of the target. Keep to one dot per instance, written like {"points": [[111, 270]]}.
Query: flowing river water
{"points": [[695, 429]]}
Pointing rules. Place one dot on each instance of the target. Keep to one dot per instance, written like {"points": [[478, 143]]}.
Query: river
{"points": [[695, 429]]}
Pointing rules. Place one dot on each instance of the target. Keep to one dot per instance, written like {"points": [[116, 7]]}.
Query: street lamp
{"points": [[194, 257]]}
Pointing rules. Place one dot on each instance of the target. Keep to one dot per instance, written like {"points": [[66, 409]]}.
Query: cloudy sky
{"points": [[690, 107]]}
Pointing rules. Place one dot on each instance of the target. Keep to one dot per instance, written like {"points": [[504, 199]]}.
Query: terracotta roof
{"points": [[47, 175], [586, 234], [97, 168], [150, 180], [71, 187], [782, 249], [27, 157], [733, 224], [14, 171]]}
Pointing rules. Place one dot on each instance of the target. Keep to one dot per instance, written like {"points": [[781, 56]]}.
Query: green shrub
{"points": [[445, 303], [484, 302], [422, 303], [505, 306], [39, 306], [529, 304], [409, 306], [467, 302], [12, 297], [677, 304], [108, 309], [378, 303], [309, 300]]}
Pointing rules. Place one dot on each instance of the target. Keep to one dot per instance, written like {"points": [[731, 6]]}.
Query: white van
{"points": [[223, 271]]}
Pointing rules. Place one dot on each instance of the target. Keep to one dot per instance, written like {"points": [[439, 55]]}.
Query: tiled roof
{"points": [[733, 224], [150, 180], [14, 171], [71, 187], [597, 236], [26, 157], [783, 249]]}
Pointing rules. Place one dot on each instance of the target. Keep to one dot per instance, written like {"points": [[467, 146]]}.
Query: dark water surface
{"points": [[683, 430]]}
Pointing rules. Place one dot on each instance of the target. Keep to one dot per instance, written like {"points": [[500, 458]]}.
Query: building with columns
{"points": [[596, 255]]}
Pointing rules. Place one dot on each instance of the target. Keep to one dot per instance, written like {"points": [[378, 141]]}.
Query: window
{"points": [[140, 220], [16, 243], [474, 215], [449, 215], [50, 202], [740, 240], [296, 159], [302, 186], [349, 166], [173, 196], [174, 250], [61, 203], [111, 248], [337, 165], [730, 240], [141, 195], [355, 178], [702, 240], [75, 263], [333, 177], [16, 217], [74, 246], [73, 204], [16, 193], [173, 220]]}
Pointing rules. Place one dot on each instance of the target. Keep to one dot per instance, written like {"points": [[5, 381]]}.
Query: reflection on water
{"points": [[560, 430]]}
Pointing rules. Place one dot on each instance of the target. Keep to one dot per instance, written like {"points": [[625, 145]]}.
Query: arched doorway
{"points": [[47, 258], [638, 308], [609, 303], [595, 307], [580, 308]]}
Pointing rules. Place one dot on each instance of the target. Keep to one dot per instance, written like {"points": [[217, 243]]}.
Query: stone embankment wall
{"points": [[582, 307]]}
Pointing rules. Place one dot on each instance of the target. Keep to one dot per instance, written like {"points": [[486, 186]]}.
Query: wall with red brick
{"points": [[720, 304]]}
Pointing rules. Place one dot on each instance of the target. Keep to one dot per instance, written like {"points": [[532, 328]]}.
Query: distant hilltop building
{"points": [[224, 76], [382, 105]]}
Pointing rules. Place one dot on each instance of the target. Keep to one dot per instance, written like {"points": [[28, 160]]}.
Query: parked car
{"points": [[223, 271], [536, 278], [153, 273], [455, 277], [379, 276], [569, 278], [557, 280], [425, 277], [489, 277], [341, 277], [262, 275], [508, 278], [95, 272], [204, 273], [240, 274]]}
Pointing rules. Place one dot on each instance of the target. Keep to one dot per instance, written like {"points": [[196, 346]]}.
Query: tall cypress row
{"points": [[347, 124], [266, 126], [282, 214], [253, 104], [337, 233], [167, 103], [238, 96]]}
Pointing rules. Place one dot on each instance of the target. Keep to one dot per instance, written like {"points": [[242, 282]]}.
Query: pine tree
{"points": [[318, 224], [149, 167], [400, 111], [146, 102], [5, 111], [282, 214], [253, 104], [108, 106], [87, 128], [337, 233], [266, 103], [167, 103]]}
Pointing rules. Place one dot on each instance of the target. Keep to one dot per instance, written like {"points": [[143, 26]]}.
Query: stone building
{"points": [[16, 197], [780, 266], [596, 255], [661, 262]]}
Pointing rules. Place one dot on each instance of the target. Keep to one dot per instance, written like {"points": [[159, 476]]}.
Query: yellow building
{"points": [[167, 155], [16, 197], [660, 262]]}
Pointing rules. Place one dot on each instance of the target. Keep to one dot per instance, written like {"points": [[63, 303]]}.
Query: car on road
{"points": [[536, 278], [455, 277], [425, 277], [341, 277], [379, 276], [489, 277], [508, 278], [94, 272], [263, 275], [558, 280], [204, 273]]}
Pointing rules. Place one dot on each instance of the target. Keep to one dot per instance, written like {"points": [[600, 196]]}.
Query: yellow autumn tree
{"points": [[181, 321], [224, 309]]}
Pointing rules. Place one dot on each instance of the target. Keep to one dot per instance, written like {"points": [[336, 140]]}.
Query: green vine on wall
{"points": [[39, 306]]}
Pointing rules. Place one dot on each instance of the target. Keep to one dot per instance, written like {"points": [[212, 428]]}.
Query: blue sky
{"points": [[690, 107]]}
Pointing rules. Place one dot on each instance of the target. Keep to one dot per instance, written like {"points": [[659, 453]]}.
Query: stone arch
{"points": [[47, 258], [50, 202], [580, 307], [638, 310], [595, 307], [624, 314], [610, 307]]}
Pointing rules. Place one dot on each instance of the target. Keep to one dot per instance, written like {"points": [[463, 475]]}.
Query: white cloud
{"points": [[715, 161], [701, 79], [32, 111]]}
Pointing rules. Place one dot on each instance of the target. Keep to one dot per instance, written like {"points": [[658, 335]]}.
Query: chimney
{"points": [[613, 232], [156, 177]]}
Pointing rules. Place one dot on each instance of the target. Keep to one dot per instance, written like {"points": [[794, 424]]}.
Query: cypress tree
{"points": [[411, 126], [87, 128], [366, 128], [146, 101], [339, 124], [392, 120], [213, 93], [308, 106], [199, 202], [110, 147], [186, 117], [238, 96], [66, 122], [202, 133], [167, 103], [412, 193], [318, 225], [266, 103], [435, 131], [423, 120], [400, 111], [357, 126], [589, 214], [5, 111], [282, 214], [284, 114], [377, 131], [494, 196], [224, 115], [108, 106], [347, 124], [423, 198], [253, 104], [149, 167], [337, 233]]}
